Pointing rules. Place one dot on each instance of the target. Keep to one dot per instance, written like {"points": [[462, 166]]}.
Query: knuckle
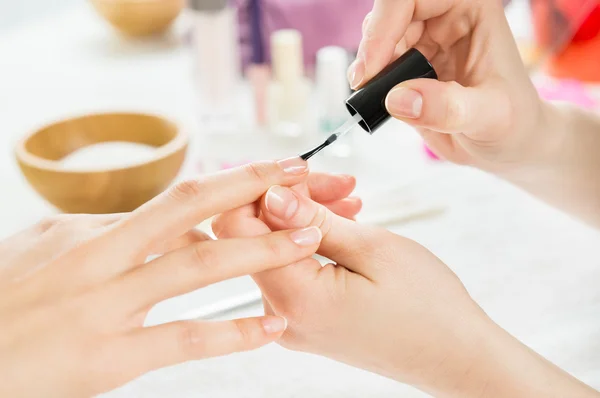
{"points": [[55, 221], [259, 171], [455, 108], [244, 333], [366, 21], [369, 30], [190, 340], [205, 259], [45, 224], [225, 225], [188, 189], [272, 247]]}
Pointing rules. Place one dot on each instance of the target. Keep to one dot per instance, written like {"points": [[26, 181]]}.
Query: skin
{"points": [[484, 111], [390, 306], [75, 289]]}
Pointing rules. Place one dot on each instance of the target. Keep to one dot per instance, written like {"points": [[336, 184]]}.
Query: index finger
{"points": [[386, 26], [184, 206]]}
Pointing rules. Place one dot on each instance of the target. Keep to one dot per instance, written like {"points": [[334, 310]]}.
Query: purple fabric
{"points": [[321, 22]]}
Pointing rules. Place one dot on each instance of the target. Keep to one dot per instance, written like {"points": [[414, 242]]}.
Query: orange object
{"points": [[138, 18], [107, 190], [579, 60], [568, 34]]}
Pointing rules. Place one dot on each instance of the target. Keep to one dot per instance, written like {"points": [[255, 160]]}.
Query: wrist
{"points": [[504, 367], [542, 145]]}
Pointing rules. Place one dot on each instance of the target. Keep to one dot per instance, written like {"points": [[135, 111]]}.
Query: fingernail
{"points": [[356, 73], [404, 102], [293, 165], [274, 324], [281, 202], [307, 237]]}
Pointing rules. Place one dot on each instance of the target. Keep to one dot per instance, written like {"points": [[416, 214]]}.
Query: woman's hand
{"points": [[389, 306], [484, 111], [75, 290]]}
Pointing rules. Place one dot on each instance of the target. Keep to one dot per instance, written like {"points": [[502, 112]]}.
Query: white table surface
{"points": [[534, 270]]}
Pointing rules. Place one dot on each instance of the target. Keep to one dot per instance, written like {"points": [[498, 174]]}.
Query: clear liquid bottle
{"points": [[332, 91], [289, 93], [216, 62]]}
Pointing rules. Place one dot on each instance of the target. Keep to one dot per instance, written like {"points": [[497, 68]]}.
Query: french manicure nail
{"points": [[281, 202], [293, 165], [307, 237], [405, 102], [274, 324], [356, 73]]}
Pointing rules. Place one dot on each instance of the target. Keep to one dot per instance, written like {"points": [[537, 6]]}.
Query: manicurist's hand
{"points": [[75, 290], [485, 111], [389, 306]]}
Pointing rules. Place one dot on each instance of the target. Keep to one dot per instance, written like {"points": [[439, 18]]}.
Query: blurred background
{"points": [[105, 103]]}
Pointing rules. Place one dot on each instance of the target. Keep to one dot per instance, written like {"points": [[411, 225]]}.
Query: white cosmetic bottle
{"points": [[289, 93], [217, 64], [332, 91]]}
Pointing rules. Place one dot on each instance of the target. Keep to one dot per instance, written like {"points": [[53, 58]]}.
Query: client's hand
{"points": [[75, 290], [389, 306]]}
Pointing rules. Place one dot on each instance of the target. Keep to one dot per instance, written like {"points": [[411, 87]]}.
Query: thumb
{"points": [[448, 107], [344, 241]]}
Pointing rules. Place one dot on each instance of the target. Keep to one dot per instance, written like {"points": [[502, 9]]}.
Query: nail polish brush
{"points": [[367, 105]]}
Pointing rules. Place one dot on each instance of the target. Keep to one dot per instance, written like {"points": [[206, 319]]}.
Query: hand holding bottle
{"points": [[484, 111]]}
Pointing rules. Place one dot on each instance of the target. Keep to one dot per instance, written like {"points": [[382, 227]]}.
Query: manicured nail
{"points": [[404, 102], [274, 324], [356, 73], [281, 202], [293, 165], [307, 237], [347, 177]]}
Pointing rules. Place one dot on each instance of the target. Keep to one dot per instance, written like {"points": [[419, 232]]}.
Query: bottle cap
{"points": [[369, 101], [287, 56], [208, 5]]}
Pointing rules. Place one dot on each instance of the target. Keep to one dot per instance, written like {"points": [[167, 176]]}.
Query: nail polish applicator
{"points": [[367, 105]]}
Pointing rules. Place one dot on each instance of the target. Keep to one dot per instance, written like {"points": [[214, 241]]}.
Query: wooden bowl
{"points": [[139, 17], [110, 190]]}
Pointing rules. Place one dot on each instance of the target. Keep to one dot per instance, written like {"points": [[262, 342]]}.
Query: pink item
{"points": [[321, 22], [430, 153], [260, 76], [567, 90]]}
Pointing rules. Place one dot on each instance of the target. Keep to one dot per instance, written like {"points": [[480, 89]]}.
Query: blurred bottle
{"points": [[217, 65], [289, 92], [332, 91], [258, 72], [567, 32]]}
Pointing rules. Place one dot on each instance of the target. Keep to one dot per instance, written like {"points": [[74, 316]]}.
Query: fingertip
{"points": [[356, 73], [356, 203], [274, 326], [348, 180], [347, 208], [310, 236], [404, 102], [326, 188], [293, 166]]}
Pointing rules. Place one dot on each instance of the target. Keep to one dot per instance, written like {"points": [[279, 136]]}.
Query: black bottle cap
{"points": [[369, 101]]}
